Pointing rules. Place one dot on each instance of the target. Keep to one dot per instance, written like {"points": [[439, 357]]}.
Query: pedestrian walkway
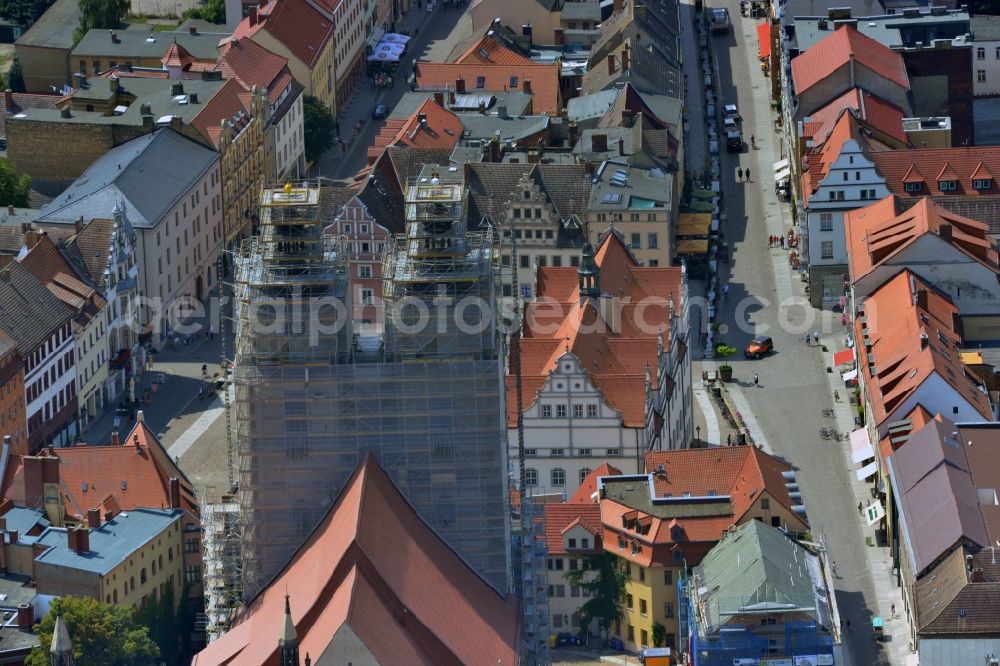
{"points": [[711, 433], [209, 415]]}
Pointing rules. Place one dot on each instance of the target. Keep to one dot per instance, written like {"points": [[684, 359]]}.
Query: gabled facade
{"points": [[572, 536]]}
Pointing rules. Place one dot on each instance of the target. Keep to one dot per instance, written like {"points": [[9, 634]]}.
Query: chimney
{"points": [[71, 539], [6, 505], [924, 341], [193, 98], [66, 112], [108, 515], [611, 63], [439, 99], [460, 86], [78, 224], [422, 119], [113, 83], [621, 145], [135, 443], [625, 59], [33, 484], [25, 617], [502, 111], [8, 98], [175, 493], [114, 37], [559, 37], [598, 143], [852, 69], [944, 231], [978, 576], [922, 299], [618, 5], [83, 540], [526, 86], [12, 536], [94, 518], [494, 150], [114, 439], [175, 123], [193, 30], [252, 16], [147, 122], [451, 98], [176, 89], [482, 108], [140, 416]]}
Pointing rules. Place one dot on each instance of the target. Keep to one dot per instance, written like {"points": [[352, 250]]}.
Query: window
{"points": [[628, 601], [558, 477], [367, 296], [765, 503], [826, 222], [542, 261], [947, 185], [668, 609], [644, 637], [614, 452], [546, 411], [826, 249], [913, 187], [982, 184], [652, 241], [981, 53], [530, 477], [365, 271], [578, 411], [678, 555], [556, 259], [583, 475], [998, 53], [981, 75], [584, 453], [668, 576], [557, 620], [591, 411], [775, 521], [480, 82], [560, 590], [642, 579], [558, 453], [636, 240], [525, 261], [585, 543], [561, 411], [631, 632], [574, 591], [513, 82]]}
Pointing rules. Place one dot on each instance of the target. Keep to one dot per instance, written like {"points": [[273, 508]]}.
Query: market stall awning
{"points": [[764, 38], [861, 446], [849, 375], [867, 471], [843, 356], [781, 175], [694, 224], [781, 165], [699, 246]]}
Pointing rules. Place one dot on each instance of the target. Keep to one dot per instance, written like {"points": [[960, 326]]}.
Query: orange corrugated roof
{"points": [[830, 54], [876, 232], [909, 343], [497, 78], [558, 322], [924, 164], [374, 566]]}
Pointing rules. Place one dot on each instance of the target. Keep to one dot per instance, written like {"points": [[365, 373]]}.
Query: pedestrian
{"points": [[836, 395], [729, 439], [859, 508], [868, 502], [834, 567], [748, 175], [739, 174], [753, 142], [807, 339], [781, 240], [892, 610], [848, 624], [756, 379], [725, 290], [816, 337]]}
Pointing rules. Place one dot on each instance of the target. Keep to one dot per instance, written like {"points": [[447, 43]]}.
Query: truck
{"points": [[718, 18]]}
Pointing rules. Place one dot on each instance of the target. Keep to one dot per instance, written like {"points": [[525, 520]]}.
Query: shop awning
{"points": [[849, 375], [843, 356], [764, 39], [781, 165], [781, 175], [874, 513], [692, 246], [861, 446], [694, 224], [867, 471]]}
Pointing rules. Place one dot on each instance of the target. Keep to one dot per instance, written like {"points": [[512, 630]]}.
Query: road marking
{"points": [[197, 429], [712, 435]]}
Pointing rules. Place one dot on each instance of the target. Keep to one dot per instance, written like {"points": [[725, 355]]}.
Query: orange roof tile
{"points": [[558, 322], [818, 160], [560, 518], [490, 51], [441, 131], [303, 30], [374, 566], [253, 65], [926, 165], [497, 78], [875, 233], [910, 340], [830, 54], [876, 113], [177, 56], [585, 493], [225, 104]]}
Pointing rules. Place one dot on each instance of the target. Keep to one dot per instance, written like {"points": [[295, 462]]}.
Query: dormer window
{"points": [[676, 534], [584, 542], [982, 184], [913, 187], [947, 185], [571, 543]]}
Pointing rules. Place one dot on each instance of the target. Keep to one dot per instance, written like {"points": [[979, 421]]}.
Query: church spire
{"points": [[61, 652], [288, 643], [590, 274]]}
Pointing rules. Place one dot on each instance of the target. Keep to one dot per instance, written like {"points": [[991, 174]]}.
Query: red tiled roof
{"points": [[373, 566], [819, 158], [558, 322], [303, 30], [126, 476], [876, 233], [909, 342], [489, 51], [930, 165], [585, 493], [441, 131], [559, 518], [830, 54], [253, 65], [225, 104], [177, 56], [876, 112], [497, 78]]}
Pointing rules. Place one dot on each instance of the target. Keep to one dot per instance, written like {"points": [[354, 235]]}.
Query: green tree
{"points": [[14, 188], [102, 635], [100, 14], [659, 634], [318, 126], [214, 11], [15, 78], [26, 12], [607, 589]]}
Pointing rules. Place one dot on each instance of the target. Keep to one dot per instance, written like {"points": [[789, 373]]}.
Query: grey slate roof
{"points": [[136, 44], [54, 29], [760, 568], [115, 541], [512, 128], [585, 10], [21, 519], [492, 185], [934, 492], [592, 106], [148, 174], [641, 190], [29, 312]]}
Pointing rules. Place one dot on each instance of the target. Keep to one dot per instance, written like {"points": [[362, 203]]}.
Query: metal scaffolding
{"points": [[221, 556], [312, 398]]}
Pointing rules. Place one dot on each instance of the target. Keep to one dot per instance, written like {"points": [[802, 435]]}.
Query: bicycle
{"points": [[828, 413]]}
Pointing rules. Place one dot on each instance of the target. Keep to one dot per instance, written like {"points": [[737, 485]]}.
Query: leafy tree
{"points": [[607, 588], [214, 11], [170, 624], [14, 188], [318, 125], [15, 78], [100, 14], [102, 635], [26, 12], [659, 634]]}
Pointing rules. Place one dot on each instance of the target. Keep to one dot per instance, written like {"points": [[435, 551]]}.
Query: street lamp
{"points": [[697, 433]]}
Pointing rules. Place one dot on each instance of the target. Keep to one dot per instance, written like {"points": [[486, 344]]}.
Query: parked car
{"points": [[730, 111], [729, 125], [759, 346], [379, 111], [734, 142]]}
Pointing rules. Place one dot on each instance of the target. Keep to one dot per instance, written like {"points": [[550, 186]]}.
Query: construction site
{"points": [[311, 398]]}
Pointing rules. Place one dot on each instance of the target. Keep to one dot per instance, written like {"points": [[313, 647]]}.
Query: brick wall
{"points": [[949, 70]]}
